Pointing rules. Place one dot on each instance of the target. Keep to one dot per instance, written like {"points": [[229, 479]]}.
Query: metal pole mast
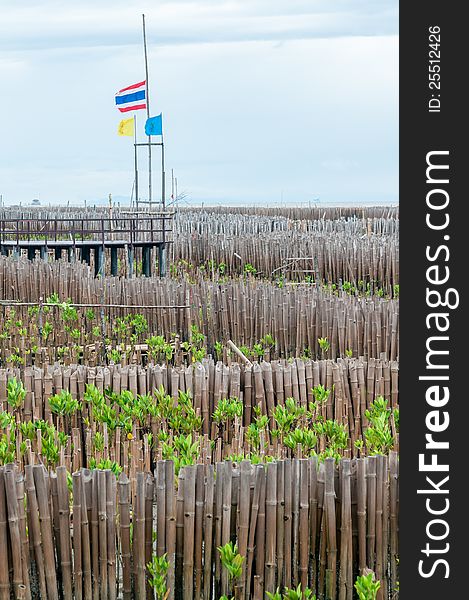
{"points": [[148, 109], [163, 199], [135, 162]]}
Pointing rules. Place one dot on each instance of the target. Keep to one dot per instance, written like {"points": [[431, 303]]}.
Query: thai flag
{"points": [[132, 97]]}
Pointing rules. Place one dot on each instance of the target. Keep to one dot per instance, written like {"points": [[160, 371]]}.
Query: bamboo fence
{"points": [[353, 385], [242, 310], [294, 522]]}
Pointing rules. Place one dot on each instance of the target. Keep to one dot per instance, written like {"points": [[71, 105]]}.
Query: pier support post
{"points": [[161, 260], [130, 257], [114, 262], [43, 253], [85, 254], [99, 261], [71, 255], [146, 261]]}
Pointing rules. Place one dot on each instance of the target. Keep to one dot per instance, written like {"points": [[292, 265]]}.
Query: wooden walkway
{"points": [[79, 238]]}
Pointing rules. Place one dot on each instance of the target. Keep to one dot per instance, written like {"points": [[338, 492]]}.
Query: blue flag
{"points": [[154, 125]]}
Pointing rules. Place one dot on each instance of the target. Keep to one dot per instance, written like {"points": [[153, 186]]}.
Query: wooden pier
{"points": [[101, 237]]}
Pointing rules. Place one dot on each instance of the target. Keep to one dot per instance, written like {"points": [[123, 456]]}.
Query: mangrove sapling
{"points": [[158, 570], [218, 348], [334, 437], [182, 451], [304, 439], [258, 351], [246, 351], [324, 345], [378, 436], [15, 394], [64, 406], [286, 417], [232, 561], [106, 464], [367, 587], [8, 446], [257, 429], [292, 594], [225, 413]]}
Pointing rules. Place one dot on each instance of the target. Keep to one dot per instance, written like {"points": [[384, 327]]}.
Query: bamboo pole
{"points": [[85, 538], [329, 506], [208, 532], [288, 522], [149, 496], [303, 554], [124, 531], [258, 475], [180, 535], [4, 571], [110, 481], [95, 547], [46, 531], [33, 527], [139, 538], [270, 527], [226, 477], [25, 549], [345, 583], [198, 524], [9, 486], [393, 517], [170, 534], [260, 532], [64, 520], [371, 510], [361, 513], [243, 519], [102, 532], [160, 508], [77, 538], [189, 520]]}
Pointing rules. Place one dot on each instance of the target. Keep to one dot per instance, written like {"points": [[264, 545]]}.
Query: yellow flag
{"points": [[126, 127]]}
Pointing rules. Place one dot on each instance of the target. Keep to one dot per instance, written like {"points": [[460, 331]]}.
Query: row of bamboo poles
{"points": [[212, 222], [353, 385], [294, 522], [329, 257], [329, 253], [241, 310], [311, 213]]}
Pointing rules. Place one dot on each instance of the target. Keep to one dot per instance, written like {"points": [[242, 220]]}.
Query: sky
{"points": [[263, 101]]}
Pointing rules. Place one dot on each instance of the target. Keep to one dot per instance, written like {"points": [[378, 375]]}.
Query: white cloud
{"points": [[257, 97]]}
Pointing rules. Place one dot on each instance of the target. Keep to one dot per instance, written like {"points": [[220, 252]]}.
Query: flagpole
{"points": [[148, 108], [135, 161], [163, 199]]}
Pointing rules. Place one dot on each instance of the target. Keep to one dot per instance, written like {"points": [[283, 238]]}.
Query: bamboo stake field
{"points": [[243, 310], [228, 430]]}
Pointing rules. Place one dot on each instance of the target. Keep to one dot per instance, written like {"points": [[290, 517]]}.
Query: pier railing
{"points": [[153, 229]]}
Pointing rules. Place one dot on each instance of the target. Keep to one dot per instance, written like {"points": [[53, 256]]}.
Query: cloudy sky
{"points": [[262, 100]]}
